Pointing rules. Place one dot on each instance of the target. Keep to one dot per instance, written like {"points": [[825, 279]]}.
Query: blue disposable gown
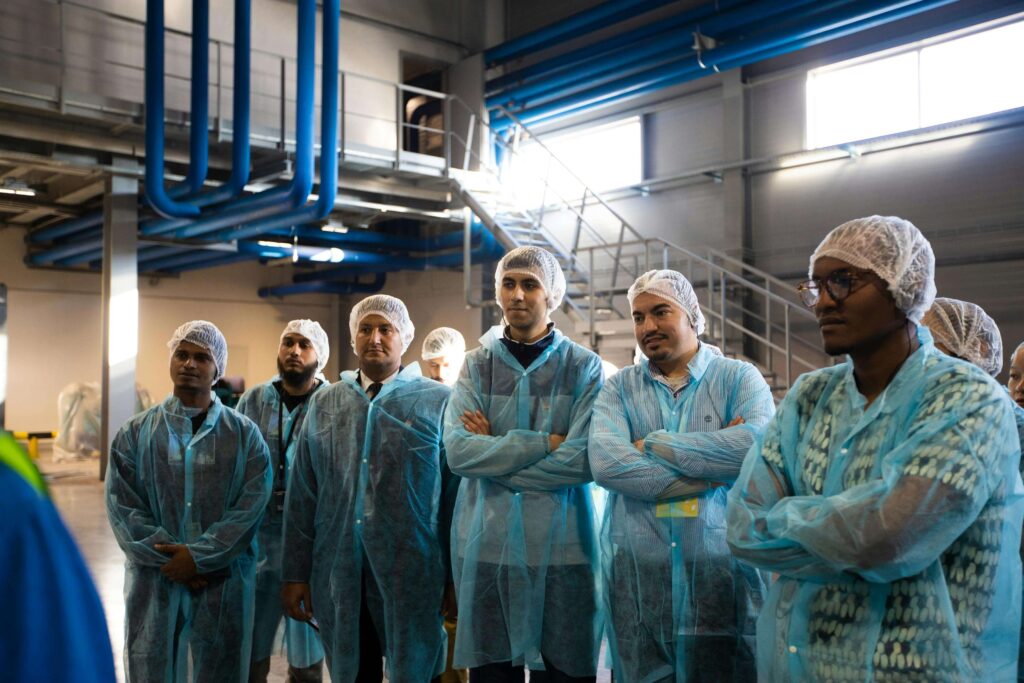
{"points": [[53, 628], [262, 404], [894, 527], [524, 550], [207, 491], [669, 575], [364, 500]]}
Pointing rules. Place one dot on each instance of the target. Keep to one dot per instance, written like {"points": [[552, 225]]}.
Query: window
{"points": [[947, 79], [603, 158]]}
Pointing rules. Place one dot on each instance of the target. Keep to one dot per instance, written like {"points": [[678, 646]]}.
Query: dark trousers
{"points": [[371, 649], [506, 673]]}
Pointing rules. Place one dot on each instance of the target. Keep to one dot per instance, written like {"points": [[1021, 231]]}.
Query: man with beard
{"points": [[279, 407], [667, 439], [884, 492], [188, 482], [525, 549], [362, 532]]}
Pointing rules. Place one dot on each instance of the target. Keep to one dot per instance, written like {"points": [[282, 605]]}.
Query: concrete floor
{"points": [[78, 494]]}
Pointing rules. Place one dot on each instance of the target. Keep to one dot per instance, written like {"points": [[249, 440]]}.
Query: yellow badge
{"points": [[678, 508]]}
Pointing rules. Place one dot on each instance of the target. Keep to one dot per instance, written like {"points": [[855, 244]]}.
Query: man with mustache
{"points": [[885, 492], [525, 555], [364, 512], [278, 407], [188, 482], [667, 440]]}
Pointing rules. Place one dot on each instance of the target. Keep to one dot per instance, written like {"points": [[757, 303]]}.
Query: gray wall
{"points": [[964, 193]]}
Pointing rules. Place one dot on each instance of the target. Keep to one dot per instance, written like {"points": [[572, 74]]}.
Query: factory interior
{"points": [[255, 162]]}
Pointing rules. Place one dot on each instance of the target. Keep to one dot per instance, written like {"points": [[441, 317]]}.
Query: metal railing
{"points": [[404, 128]]}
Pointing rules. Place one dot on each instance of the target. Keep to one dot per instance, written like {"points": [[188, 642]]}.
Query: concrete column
{"points": [[120, 307]]}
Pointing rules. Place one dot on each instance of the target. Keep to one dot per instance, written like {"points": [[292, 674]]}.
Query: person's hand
{"points": [[738, 420], [554, 441], [197, 584], [476, 423], [639, 445], [449, 603], [181, 568], [297, 601]]}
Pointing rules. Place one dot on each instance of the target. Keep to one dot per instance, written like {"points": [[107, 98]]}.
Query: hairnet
{"points": [[389, 308], [539, 263], [967, 331], [892, 248], [311, 330], [444, 341], [668, 284], [204, 334], [1017, 350]]}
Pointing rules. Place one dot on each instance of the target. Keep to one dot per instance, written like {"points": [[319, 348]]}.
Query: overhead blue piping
{"points": [[156, 194], [604, 14], [827, 27], [617, 44], [269, 215], [326, 287], [240, 142], [650, 53], [272, 201]]}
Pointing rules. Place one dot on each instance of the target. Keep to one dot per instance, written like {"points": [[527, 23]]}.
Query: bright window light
{"points": [[603, 157], [943, 81], [973, 76]]}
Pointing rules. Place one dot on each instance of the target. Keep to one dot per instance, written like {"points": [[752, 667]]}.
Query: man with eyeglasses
{"points": [[885, 492]]}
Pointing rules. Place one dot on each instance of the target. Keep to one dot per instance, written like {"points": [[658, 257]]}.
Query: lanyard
{"points": [[282, 442]]}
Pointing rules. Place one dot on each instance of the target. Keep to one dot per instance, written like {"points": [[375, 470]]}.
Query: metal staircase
{"points": [[429, 169], [750, 314]]}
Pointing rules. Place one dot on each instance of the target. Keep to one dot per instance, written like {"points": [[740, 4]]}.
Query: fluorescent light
{"points": [[278, 245], [332, 255], [334, 227], [22, 192]]}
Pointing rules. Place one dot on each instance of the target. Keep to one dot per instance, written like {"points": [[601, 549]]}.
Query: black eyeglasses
{"points": [[839, 284]]}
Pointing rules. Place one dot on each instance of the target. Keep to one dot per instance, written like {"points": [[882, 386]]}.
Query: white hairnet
{"points": [[539, 263], [671, 285], [892, 248], [1020, 347], [967, 331], [389, 308], [443, 342], [311, 330], [205, 334]]}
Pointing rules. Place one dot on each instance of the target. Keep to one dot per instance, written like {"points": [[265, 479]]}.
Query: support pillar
{"points": [[120, 307]]}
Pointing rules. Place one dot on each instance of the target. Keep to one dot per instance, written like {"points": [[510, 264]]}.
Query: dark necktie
{"points": [[373, 390]]}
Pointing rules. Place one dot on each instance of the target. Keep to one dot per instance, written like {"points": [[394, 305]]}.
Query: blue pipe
{"points": [[830, 26], [488, 249], [605, 14], [224, 260], [605, 47], [269, 202], [189, 257], [199, 116], [265, 207], [648, 54], [370, 238], [325, 287], [292, 195], [240, 143], [271, 218], [155, 192]]}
